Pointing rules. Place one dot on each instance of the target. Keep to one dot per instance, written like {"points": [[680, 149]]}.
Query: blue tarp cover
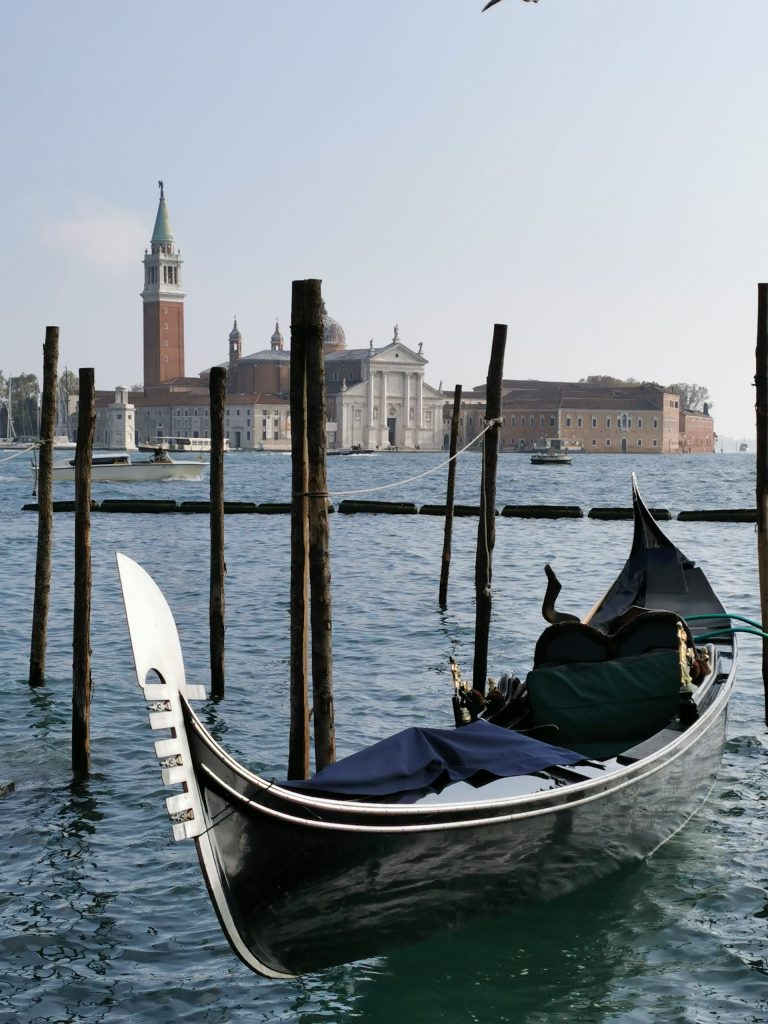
{"points": [[422, 759]]}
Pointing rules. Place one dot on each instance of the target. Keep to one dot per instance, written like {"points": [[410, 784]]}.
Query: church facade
{"points": [[377, 398]]}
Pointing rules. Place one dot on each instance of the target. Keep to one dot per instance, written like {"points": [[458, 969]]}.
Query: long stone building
{"points": [[640, 418]]}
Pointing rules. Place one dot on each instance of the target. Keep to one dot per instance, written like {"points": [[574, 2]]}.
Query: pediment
{"points": [[397, 354]]}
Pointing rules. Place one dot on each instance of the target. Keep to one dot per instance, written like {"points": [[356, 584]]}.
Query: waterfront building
{"points": [[642, 418], [118, 424]]}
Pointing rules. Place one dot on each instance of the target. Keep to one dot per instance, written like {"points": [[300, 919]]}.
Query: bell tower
{"points": [[163, 300]]}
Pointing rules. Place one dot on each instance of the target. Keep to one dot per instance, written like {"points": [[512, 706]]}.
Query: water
{"points": [[104, 918]]}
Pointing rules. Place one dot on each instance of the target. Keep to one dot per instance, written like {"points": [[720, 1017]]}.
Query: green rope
{"points": [[734, 629], [724, 615]]}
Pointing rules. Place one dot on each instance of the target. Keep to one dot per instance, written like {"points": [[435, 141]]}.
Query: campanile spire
{"points": [[163, 299]]}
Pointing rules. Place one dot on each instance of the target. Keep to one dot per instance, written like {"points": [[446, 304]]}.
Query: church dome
{"points": [[334, 338]]}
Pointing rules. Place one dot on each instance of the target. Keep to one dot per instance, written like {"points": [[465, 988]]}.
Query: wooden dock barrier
{"points": [[230, 507], [658, 514], [153, 505], [271, 508], [542, 512], [458, 510], [719, 515], [395, 508]]}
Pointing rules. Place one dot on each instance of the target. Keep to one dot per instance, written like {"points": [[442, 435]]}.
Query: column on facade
{"points": [[383, 432], [406, 405], [369, 416], [419, 399]]}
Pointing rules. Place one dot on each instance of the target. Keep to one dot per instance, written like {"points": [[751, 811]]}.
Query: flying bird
{"points": [[492, 2]]}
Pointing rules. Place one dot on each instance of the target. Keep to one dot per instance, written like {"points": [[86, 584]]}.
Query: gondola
{"points": [[604, 751]]}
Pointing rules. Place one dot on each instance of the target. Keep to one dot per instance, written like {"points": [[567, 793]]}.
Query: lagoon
{"points": [[103, 917]]}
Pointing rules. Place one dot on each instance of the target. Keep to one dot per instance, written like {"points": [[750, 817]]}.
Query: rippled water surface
{"points": [[103, 917]]}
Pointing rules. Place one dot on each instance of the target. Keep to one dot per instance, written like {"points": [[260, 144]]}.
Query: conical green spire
{"points": [[162, 232]]}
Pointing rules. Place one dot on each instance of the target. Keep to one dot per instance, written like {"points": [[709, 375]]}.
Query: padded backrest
{"points": [[622, 699], [651, 631], [567, 642]]}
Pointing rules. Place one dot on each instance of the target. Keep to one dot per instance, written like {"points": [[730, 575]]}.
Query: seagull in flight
{"points": [[492, 2]]}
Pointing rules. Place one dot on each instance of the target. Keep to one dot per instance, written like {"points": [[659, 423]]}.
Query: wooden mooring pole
{"points": [[486, 530], [319, 538], [761, 417], [445, 566], [309, 529], [44, 486], [217, 384], [81, 626], [298, 743]]}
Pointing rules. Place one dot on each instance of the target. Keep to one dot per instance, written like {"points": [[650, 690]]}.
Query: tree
{"points": [[69, 383], [605, 381], [692, 396], [24, 400]]}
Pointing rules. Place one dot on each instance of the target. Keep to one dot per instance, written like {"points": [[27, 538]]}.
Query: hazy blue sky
{"points": [[591, 172]]}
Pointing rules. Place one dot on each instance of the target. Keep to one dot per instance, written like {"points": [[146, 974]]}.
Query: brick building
{"points": [[642, 418]]}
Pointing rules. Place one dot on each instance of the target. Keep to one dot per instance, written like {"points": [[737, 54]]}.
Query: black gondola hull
{"points": [[306, 887]]}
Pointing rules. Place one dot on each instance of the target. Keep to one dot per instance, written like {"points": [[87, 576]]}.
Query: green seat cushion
{"points": [[609, 702]]}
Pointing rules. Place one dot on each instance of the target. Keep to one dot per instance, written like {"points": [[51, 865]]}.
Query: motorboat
{"points": [[124, 469]]}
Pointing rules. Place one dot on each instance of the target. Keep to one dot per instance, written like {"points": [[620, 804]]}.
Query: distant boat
{"points": [[122, 469], [743, 447], [356, 449], [196, 445], [551, 458]]}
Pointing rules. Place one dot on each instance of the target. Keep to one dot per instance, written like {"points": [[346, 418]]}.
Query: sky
{"points": [[592, 173]]}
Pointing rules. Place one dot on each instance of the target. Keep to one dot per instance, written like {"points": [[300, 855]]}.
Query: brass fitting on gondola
{"points": [[685, 654]]}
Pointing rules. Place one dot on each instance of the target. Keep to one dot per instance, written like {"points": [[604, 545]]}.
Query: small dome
{"points": [[333, 334]]}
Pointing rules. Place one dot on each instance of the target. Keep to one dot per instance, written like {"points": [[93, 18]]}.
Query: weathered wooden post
{"points": [[447, 536], [81, 626], [44, 510], [486, 530], [217, 392], [319, 540], [761, 416], [298, 744], [309, 528]]}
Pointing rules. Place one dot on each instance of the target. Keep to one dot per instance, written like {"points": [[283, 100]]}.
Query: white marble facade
{"points": [[393, 406]]}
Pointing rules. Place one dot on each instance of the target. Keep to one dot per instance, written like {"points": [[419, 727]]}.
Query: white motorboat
{"points": [[122, 469]]}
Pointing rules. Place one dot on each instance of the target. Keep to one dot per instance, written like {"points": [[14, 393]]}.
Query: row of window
{"points": [[522, 443], [623, 422]]}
